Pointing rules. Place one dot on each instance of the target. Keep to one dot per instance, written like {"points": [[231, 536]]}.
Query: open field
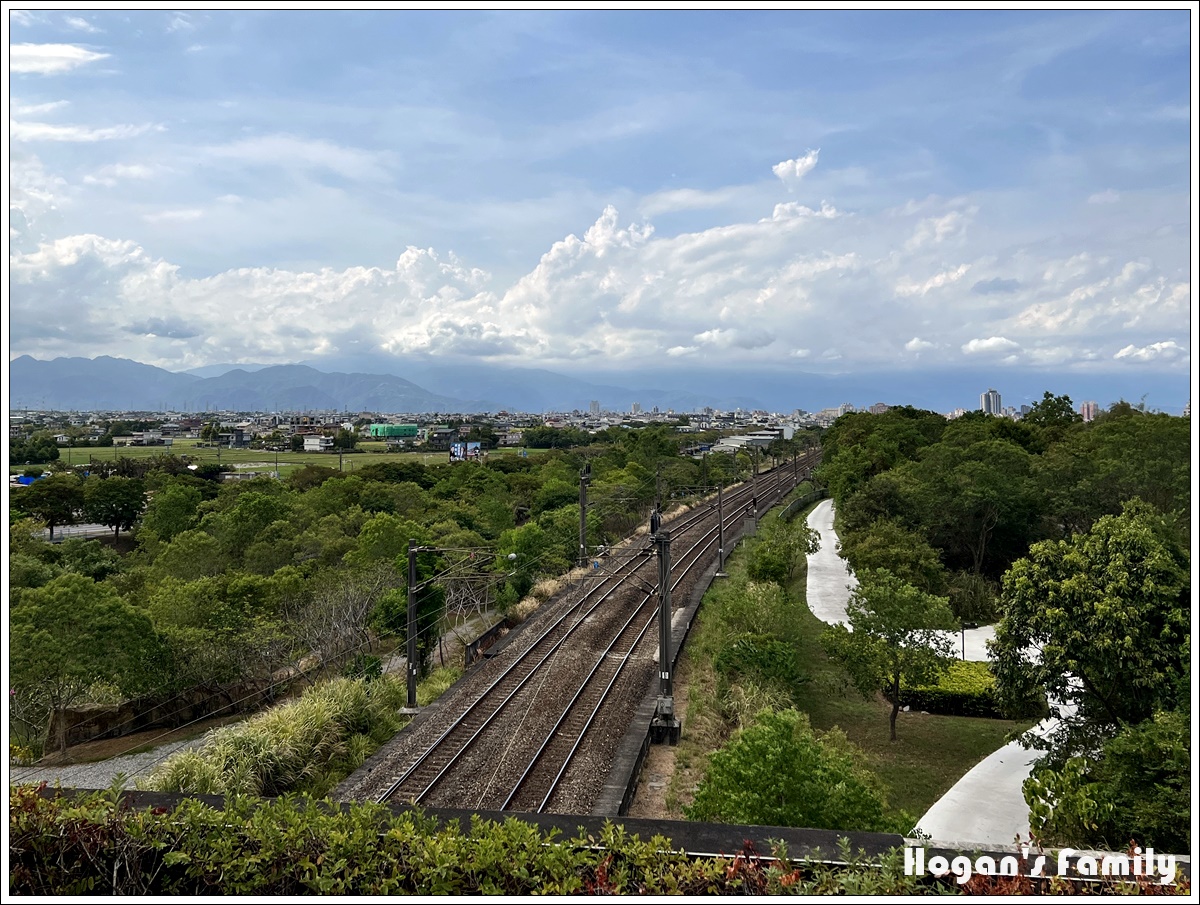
{"points": [[255, 459]]}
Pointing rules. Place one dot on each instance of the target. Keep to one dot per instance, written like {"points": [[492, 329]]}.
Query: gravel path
{"points": [[100, 775]]}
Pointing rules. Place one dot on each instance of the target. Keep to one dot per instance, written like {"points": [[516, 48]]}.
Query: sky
{"points": [[833, 192]]}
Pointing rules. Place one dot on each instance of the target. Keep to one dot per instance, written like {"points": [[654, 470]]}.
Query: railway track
{"points": [[536, 727]]}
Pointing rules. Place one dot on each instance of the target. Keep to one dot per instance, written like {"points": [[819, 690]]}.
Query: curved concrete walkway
{"points": [[986, 806]]}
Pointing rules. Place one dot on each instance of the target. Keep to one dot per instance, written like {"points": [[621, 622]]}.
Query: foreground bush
{"points": [[779, 772], [296, 846], [95, 845]]}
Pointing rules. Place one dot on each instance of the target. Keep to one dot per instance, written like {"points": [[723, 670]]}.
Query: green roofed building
{"points": [[387, 431]]}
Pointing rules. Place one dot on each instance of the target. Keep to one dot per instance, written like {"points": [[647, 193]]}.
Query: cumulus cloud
{"points": [[170, 328], [1161, 351], [993, 345], [792, 171], [934, 230], [50, 59], [917, 344], [791, 210]]}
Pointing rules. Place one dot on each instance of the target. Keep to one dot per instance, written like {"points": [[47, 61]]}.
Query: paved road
{"points": [[985, 806]]}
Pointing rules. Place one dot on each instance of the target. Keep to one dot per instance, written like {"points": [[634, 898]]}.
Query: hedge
{"points": [[96, 845], [967, 688]]}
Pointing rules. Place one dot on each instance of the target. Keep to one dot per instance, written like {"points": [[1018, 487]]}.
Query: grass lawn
{"points": [[256, 459], [930, 754]]}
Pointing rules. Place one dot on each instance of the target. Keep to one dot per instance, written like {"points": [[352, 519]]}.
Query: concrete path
{"points": [[986, 806]]}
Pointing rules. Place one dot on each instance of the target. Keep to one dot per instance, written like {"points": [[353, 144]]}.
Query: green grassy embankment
{"points": [[931, 752]]}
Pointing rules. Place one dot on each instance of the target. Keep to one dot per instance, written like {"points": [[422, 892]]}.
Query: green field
{"points": [[255, 459]]}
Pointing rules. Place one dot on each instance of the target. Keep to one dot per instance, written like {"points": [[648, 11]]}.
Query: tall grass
{"points": [[304, 745]]}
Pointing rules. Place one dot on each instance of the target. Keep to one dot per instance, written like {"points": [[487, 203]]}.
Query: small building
{"points": [[397, 431], [318, 444]]}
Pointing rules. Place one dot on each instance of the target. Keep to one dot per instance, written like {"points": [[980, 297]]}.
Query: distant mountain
{"points": [[89, 384], [541, 390], [120, 385], [299, 388], [218, 370]]}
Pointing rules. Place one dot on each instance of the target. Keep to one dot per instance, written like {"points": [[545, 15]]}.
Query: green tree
{"points": [[1101, 623], [887, 544], [172, 511], [54, 500], [779, 772], [1138, 788], [70, 634], [115, 502], [895, 636], [779, 550]]}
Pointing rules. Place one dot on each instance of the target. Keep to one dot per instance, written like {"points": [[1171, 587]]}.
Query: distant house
{"points": [[318, 444], [440, 437]]}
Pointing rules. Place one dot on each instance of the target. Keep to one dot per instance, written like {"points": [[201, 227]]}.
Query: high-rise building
{"points": [[879, 408], [594, 407], [636, 408], [989, 402], [1088, 410]]}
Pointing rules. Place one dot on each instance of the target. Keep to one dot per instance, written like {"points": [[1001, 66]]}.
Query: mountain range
{"points": [[117, 384], [428, 384]]}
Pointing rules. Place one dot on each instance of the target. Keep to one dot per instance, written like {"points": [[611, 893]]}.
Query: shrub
{"points": [[966, 688], [780, 772]]}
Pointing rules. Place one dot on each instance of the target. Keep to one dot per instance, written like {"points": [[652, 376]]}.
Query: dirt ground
{"points": [[650, 800]]}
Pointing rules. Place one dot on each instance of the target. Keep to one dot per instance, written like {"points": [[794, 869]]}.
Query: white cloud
{"points": [[918, 345], [22, 17], [80, 24], [182, 215], [680, 351], [792, 210], [284, 150], [21, 131], [118, 172], [37, 109], [934, 230], [1161, 351], [672, 200], [792, 171], [993, 345], [50, 59], [180, 22], [1108, 196], [907, 286]]}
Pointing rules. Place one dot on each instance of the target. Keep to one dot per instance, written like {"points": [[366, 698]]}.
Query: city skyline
{"points": [[917, 193]]}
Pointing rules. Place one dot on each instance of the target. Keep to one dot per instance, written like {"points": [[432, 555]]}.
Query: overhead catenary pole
{"points": [[720, 534], [664, 727], [411, 629], [584, 476]]}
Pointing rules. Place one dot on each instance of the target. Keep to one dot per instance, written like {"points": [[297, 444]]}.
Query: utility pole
{"points": [[720, 535], [658, 487], [411, 631], [664, 727], [754, 481], [585, 475]]}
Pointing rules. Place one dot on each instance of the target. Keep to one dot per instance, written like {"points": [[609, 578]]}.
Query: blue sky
{"points": [[837, 192]]}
